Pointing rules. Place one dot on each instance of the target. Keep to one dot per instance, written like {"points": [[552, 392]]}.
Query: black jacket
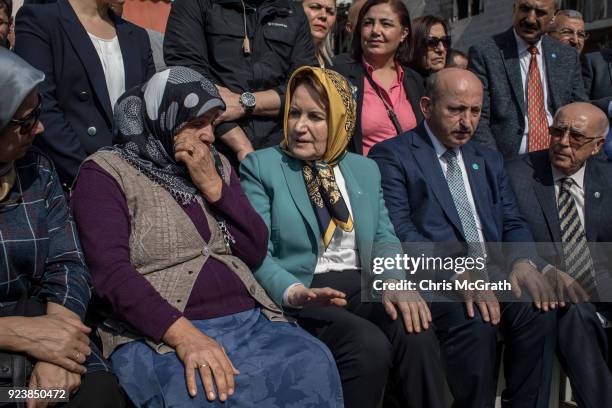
{"points": [[355, 73], [76, 109], [208, 35], [597, 75]]}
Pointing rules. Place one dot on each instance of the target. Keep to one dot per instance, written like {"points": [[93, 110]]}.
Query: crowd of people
{"points": [[190, 219]]}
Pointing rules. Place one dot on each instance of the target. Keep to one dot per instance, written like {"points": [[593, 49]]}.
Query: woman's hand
{"points": [[196, 154], [53, 338], [301, 296], [52, 377], [202, 353]]}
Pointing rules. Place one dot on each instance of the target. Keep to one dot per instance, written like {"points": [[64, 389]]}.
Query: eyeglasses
{"points": [[27, 123], [433, 42], [569, 33], [576, 139]]}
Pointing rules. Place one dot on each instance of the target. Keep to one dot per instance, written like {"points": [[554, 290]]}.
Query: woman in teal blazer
{"points": [[327, 220]]}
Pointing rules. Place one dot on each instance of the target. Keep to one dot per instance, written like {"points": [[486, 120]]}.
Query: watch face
{"points": [[248, 100]]}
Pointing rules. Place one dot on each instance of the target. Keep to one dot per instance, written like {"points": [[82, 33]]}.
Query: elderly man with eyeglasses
{"points": [[568, 27], [565, 195]]}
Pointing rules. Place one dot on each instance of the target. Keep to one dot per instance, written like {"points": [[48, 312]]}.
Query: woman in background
{"points": [[430, 43], [321, 15], [89, 56], [387, 91]]}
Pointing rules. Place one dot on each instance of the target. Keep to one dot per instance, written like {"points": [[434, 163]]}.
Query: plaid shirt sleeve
{"points": [[65, 280]]}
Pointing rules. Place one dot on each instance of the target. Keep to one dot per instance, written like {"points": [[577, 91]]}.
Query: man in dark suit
{"points": [[565, 194], [526, 76], [597, 74], [440, 187]]}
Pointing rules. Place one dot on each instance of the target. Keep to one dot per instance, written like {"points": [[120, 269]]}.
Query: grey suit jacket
{"points": [[597, 73], [497, 64]]}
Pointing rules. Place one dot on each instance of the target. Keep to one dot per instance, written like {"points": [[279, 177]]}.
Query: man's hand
{"points": [[301, 296], [485, 300], [525, 275], [563, 285], [411, 306], [51, 376], [238, 141], [233, 108]]}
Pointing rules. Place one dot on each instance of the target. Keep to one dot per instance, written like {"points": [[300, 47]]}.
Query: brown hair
{"points": [[422, 26], [306, 77], [403, 51]]}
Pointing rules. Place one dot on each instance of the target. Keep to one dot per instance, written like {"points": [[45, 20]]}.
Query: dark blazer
{"points": [[355, 73], [497, 64], [77, 113], [597, 74], [420, 203], [531, 179]]}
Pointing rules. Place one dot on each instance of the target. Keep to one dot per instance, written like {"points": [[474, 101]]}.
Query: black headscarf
{"points": [[148, 117]]}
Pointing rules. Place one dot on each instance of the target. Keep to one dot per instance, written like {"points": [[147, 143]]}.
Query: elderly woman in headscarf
{"points": [[170, 236], [44, 284], [327, 220]]}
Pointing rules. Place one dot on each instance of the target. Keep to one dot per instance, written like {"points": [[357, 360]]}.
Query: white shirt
{"points": [[341, 253], [576, 191], [440, 150], [525, 59], [111, 59]]}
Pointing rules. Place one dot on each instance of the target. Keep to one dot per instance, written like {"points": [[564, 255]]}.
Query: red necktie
{"points": [[538, 138]]}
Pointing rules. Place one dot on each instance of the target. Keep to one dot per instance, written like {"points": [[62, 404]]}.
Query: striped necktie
{"points": [[578, 262], [454, 179]]}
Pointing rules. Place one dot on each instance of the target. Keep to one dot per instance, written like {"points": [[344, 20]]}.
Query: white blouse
{"points": [[111, 58]]}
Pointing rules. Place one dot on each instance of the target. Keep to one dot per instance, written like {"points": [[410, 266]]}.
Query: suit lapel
{"points": [[362, 215], [427, 159], [131, 62], [508, 49], [477, 175], [299, 194], [544, 188], [84, 48]]}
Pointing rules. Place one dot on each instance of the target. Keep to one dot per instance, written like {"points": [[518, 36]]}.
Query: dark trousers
{"points": [[372, 350], [469, 351], [583, 352]]}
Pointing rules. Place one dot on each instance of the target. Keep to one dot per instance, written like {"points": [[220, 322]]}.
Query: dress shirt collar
{"points": [[578, 176], [398, 68], [438, 146], [523, 47]]}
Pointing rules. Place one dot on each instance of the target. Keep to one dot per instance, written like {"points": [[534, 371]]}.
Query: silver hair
{"points": [[573, 14]]}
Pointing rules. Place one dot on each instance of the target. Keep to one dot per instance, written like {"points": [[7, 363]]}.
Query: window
{"points": [[467, 8]]}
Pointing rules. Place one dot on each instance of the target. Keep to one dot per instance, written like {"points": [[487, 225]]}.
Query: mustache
{"points": [[534, 26]]}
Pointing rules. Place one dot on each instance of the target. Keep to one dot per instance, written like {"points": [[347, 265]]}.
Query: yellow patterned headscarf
{"points": [[341, 114], [325, 196]]}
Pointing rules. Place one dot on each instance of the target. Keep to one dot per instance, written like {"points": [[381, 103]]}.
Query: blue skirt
{"points": [[280, 364]]}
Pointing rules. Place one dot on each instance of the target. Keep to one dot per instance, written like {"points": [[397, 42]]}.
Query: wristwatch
{"points": [[248, 101]]}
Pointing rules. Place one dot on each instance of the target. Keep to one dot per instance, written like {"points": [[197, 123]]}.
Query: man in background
{"points": [[527, 77], [568, 27]]}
